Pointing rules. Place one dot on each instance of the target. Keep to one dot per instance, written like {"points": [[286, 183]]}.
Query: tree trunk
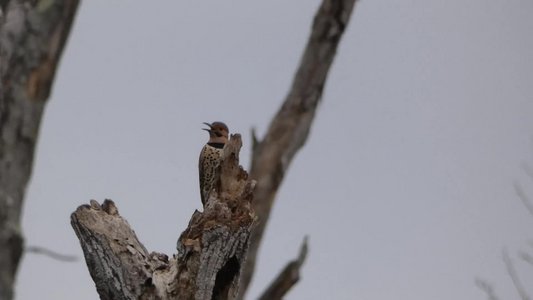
{"points": [[211, 251], [32, 37]]}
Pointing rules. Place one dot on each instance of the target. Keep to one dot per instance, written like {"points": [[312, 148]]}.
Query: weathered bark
{"points": [[32, 37], [211, 251], [287, 278], [290, 127]]}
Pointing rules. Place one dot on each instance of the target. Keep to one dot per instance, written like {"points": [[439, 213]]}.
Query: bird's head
{"points": [[218, 132]]}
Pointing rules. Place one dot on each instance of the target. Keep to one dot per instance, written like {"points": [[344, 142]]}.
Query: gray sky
{"points": [[405, 186]]}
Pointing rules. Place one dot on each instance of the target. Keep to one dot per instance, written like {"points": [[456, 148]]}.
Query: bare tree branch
{"points": [[525, 200], [211, 251], [287, 278], [290, 127], [514, 276], [32, 38], [50, 253], [487, 288]]}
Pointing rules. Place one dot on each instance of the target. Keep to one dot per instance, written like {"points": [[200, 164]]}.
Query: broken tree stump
{"points": [[211, 251]]}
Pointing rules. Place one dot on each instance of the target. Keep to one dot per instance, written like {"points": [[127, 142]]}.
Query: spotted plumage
{"points": [[210, 158]]}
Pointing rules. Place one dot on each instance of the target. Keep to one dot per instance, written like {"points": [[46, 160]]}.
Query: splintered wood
{"points": [[211, 251]]}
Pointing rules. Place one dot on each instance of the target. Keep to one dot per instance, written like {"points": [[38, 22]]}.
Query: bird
{"points": [[210, 157]]}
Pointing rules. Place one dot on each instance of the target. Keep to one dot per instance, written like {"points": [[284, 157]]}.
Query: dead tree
{"points": [[213, 250], [217, 252], [210, 254], [32, 37]]}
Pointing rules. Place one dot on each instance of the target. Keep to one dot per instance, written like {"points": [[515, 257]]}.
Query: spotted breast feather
{"points": [[208, 166]]}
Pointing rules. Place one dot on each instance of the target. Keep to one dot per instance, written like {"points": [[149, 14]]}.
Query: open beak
{"points": [[210, 127]]}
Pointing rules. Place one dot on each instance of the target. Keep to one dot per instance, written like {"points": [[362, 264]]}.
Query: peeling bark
{"points": [[211, 251], [289, 129], [32, 37]]}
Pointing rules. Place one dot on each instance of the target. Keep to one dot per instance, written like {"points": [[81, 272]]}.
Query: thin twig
{"points": [[514, 276], [487, 288], [525, 200], [52, 254]]}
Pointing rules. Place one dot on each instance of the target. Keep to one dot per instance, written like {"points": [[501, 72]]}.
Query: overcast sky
{"points": [[405, 186]]}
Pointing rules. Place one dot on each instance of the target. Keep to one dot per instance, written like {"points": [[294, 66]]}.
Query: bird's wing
{"points": [[201, 173]]}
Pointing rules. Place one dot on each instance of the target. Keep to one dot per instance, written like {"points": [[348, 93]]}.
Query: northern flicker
{"points": [[210, 157]]}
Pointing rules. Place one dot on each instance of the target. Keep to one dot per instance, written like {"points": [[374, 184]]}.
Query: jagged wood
{"points": [[289, 129], [32, 37], [211, 251]]}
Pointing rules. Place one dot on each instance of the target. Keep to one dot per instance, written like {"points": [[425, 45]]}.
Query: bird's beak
{"points": [[208, 130]]}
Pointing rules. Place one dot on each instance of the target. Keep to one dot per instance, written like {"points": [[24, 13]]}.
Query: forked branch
{"points": [[289, 129]]}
